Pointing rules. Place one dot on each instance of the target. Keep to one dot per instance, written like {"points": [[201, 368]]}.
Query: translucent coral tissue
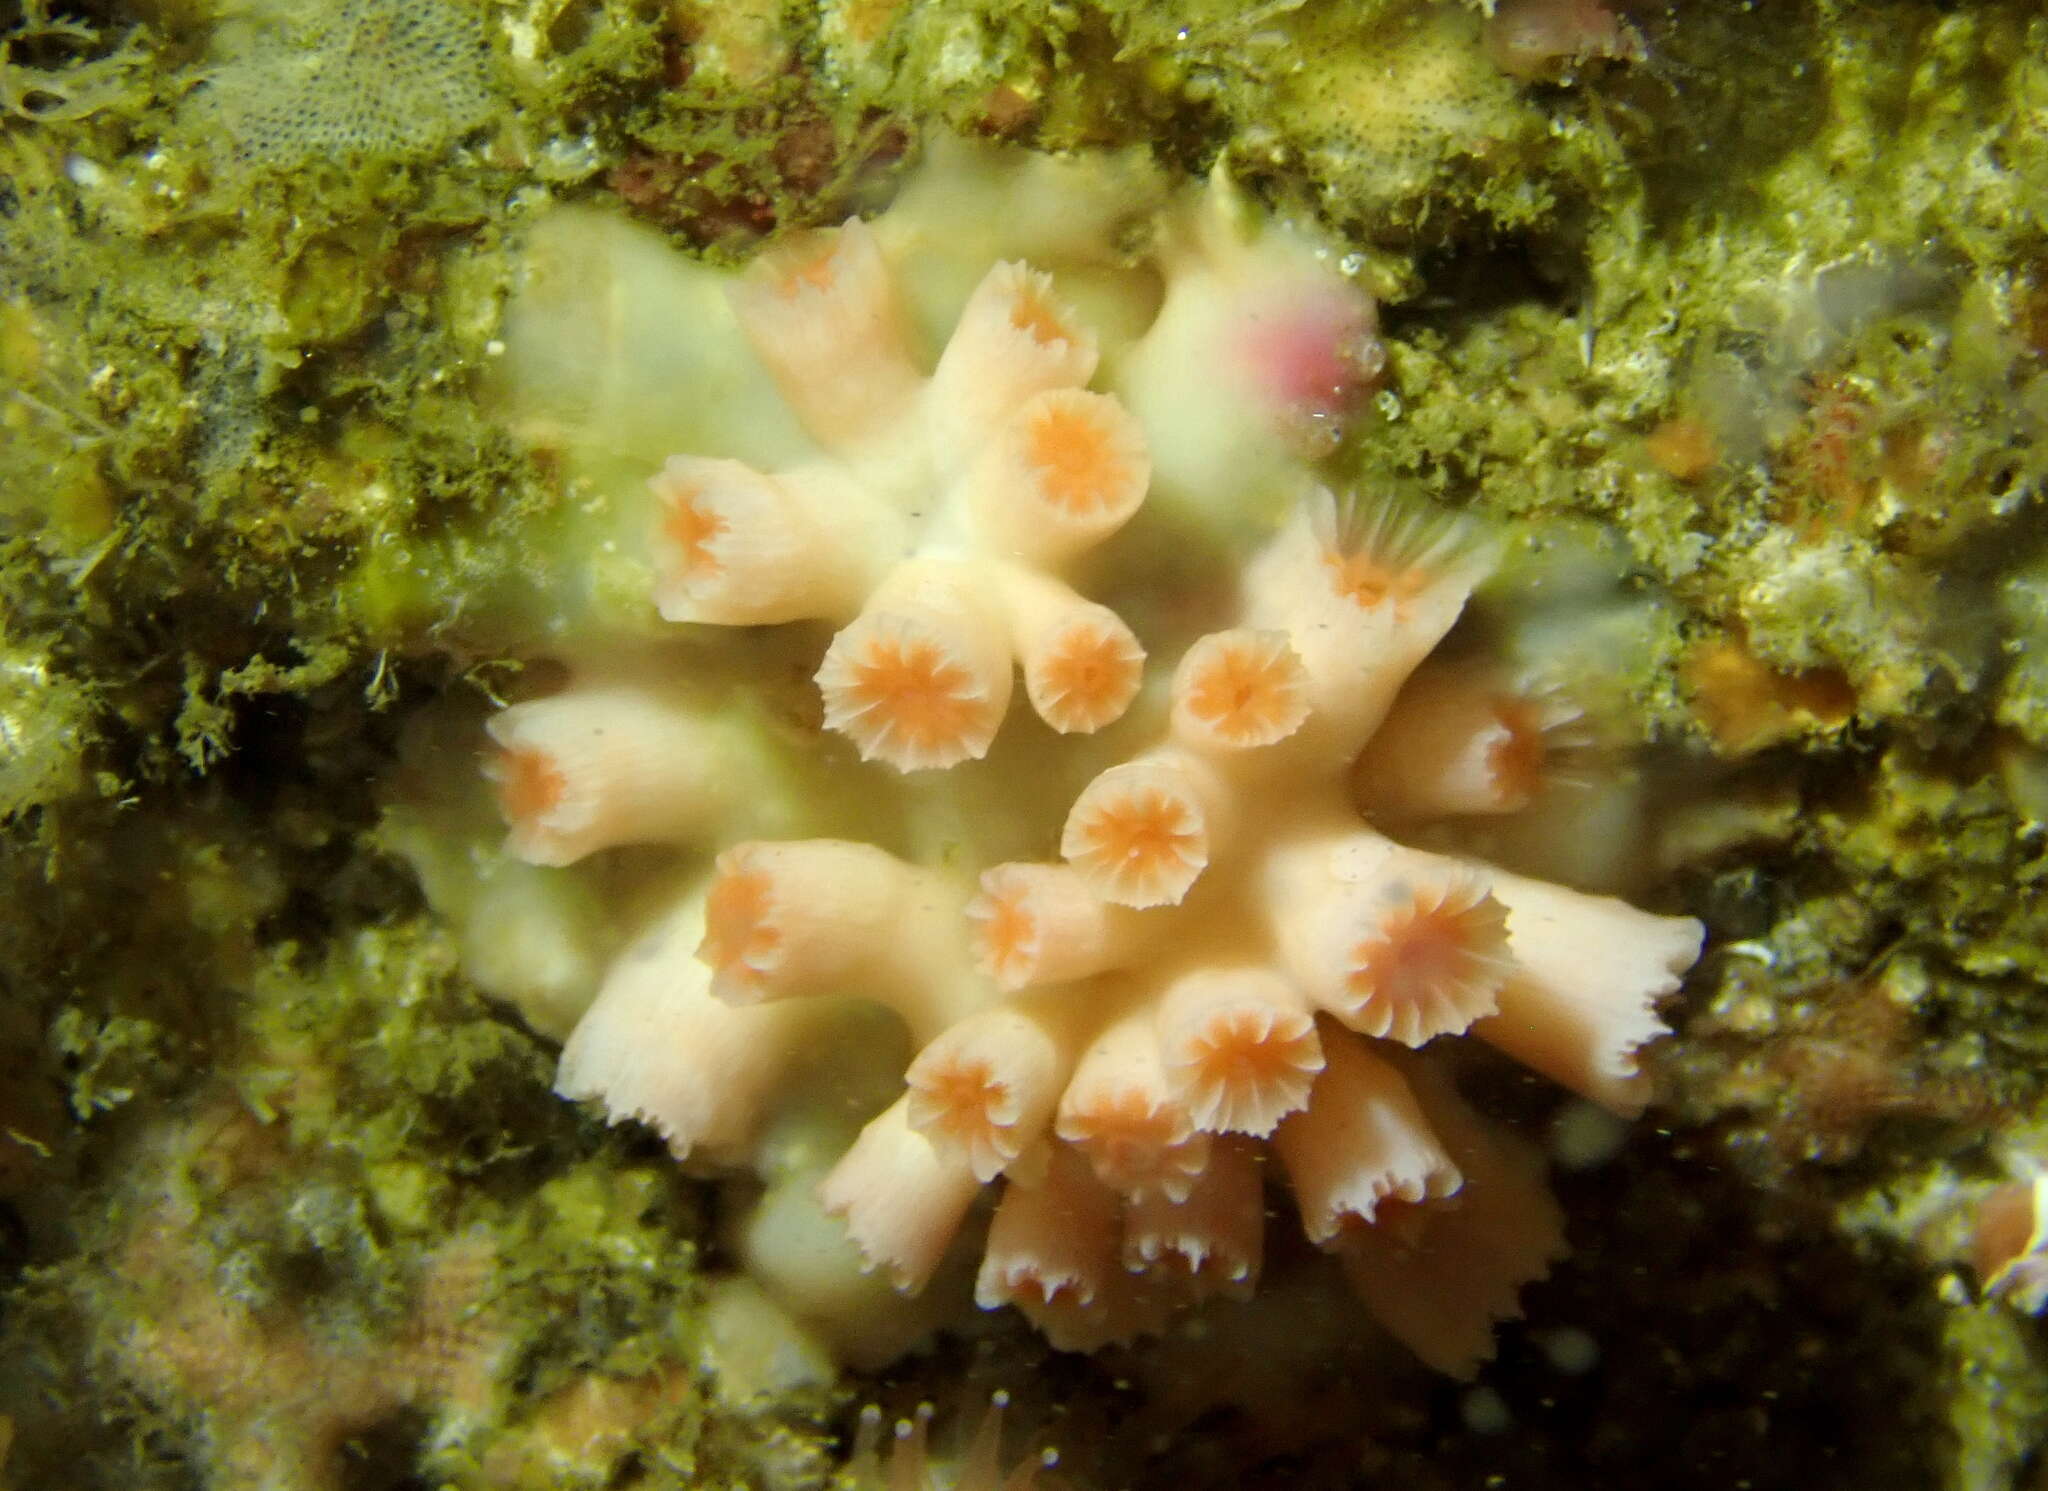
{"points": [[1153, 956]]}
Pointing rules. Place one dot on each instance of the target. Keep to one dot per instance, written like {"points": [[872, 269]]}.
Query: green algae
{"points": [[254, 502]]}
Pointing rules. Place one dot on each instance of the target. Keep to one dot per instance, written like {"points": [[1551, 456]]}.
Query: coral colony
{"points": [[1219, 977]]}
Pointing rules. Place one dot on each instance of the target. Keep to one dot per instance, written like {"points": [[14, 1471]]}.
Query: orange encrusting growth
{"points": [[1086, 675], [1241, 689], [1138, 836], [742, 942], [1430, 966], [2005, 1232]]}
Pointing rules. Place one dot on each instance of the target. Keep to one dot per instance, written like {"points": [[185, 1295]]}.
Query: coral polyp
{"points": [[1227, 981]]}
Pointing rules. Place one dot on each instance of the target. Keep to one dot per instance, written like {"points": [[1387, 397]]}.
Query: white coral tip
{"points": [[1239, 1046], [1140, 833], [902, 1198], [1240, 689], [921, 679], [1082, 671], [987, 1084], [821, 312], [1361, 1141], [1014, 339], [736, 547], [1420, 955], [591, 768]]}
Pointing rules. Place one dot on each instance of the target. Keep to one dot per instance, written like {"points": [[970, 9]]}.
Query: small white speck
{"points": [[494, 348], [1756, 952]]}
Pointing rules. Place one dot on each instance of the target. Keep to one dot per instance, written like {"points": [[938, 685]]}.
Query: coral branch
{"points": [[1361, 1140], [821, 313], [1122, 1114], [1589, 971], [901, 1197], [592, 768]]}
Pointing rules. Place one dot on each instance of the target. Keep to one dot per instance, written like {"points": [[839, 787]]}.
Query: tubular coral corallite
{"points": [[1150, 980]]}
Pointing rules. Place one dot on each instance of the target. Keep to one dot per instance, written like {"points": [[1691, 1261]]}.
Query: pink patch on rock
{"points": [[1312, 353], [1541, 40]]}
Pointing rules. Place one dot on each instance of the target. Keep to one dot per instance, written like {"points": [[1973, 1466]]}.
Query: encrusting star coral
{"points": [[1215, 975]]}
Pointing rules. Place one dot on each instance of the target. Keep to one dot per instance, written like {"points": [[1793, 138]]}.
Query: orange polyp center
{"points": [[961, 1098], [693, 529], [1248, 1063], [1087, 679], [814, 269], [1005, 935], [1119, 1112], [1075, 457], [1236, 1050], [1142, 836], [1132, 1139], [1245, 698], [1032, 312], [740, 935], [530, 784], [914, 691], [1517, 756], [1425, 952], [1123, 1128], [1369, 582]]}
